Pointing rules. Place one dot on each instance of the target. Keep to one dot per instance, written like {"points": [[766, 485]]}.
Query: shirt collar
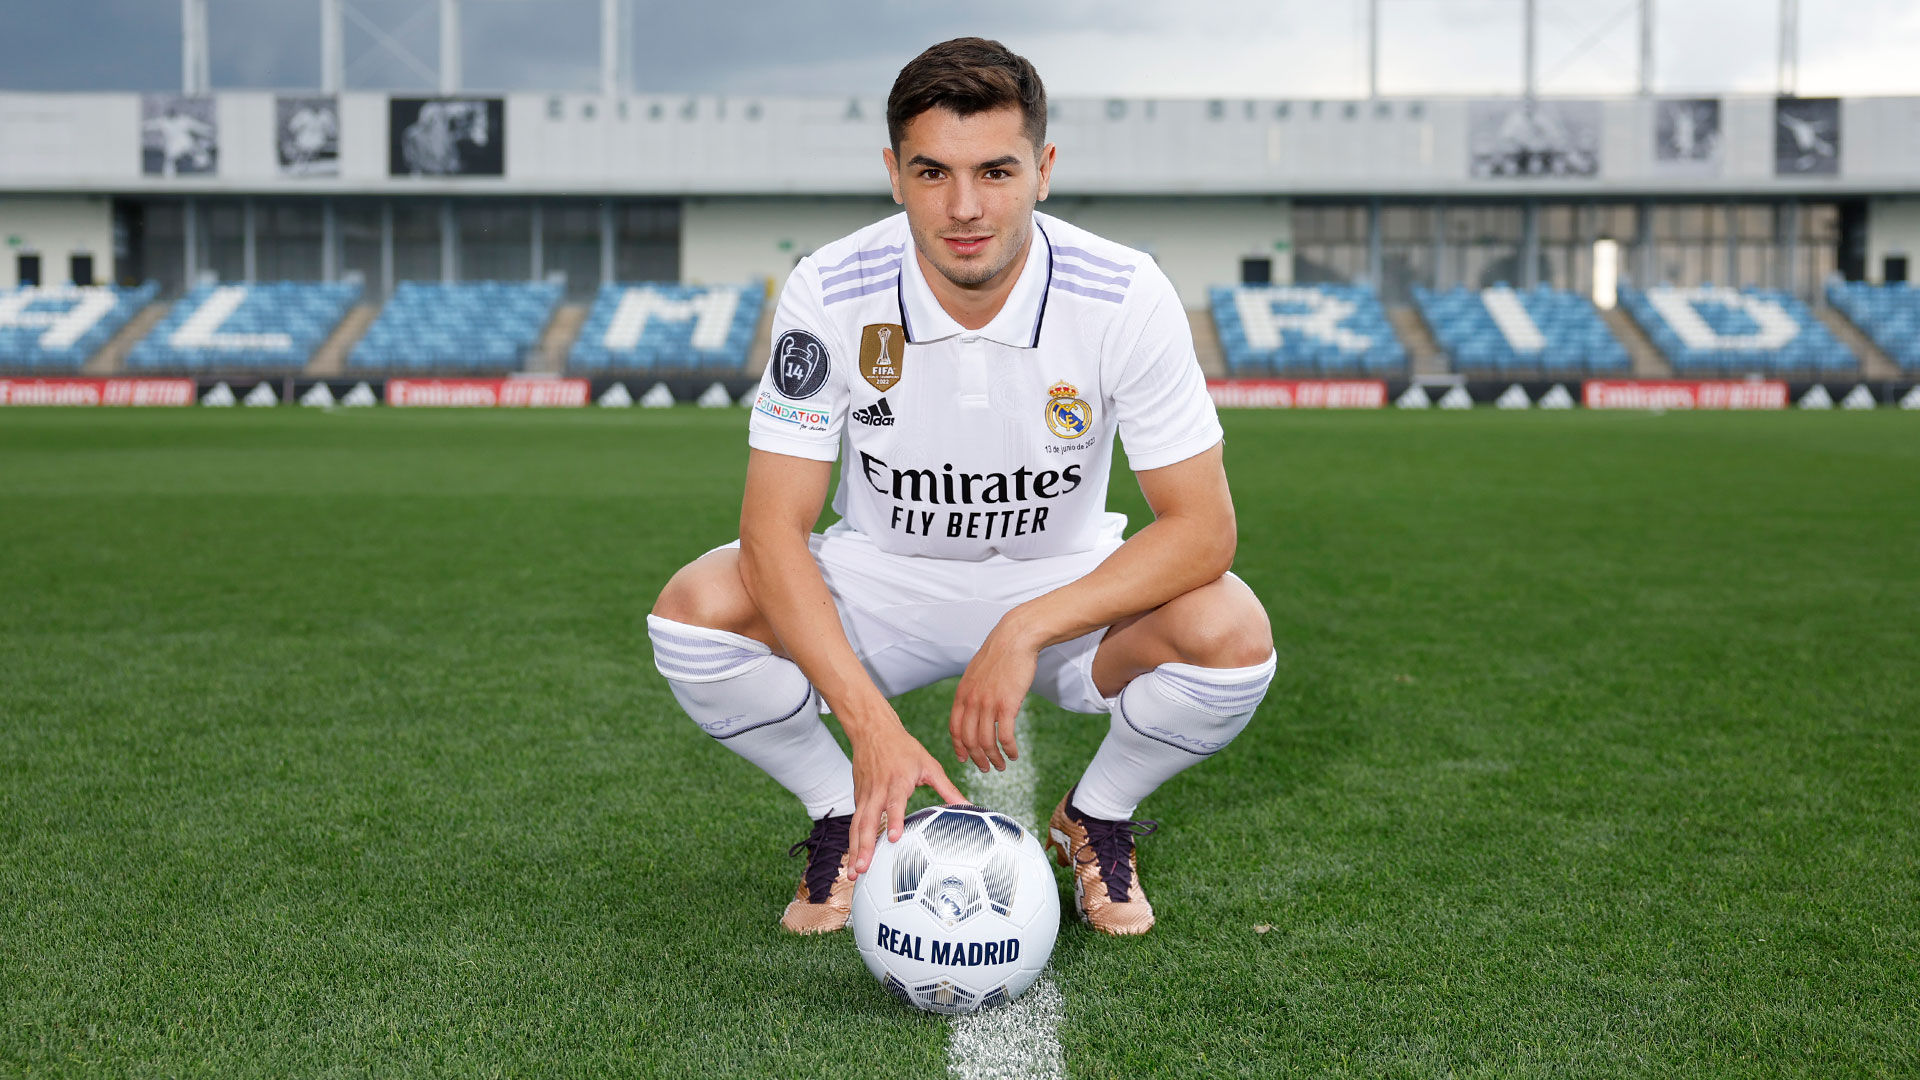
{"points": [[1018, 323]]}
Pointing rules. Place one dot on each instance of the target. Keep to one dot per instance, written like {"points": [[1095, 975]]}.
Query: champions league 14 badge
{"points": [[799, 365], [1067, 415]]}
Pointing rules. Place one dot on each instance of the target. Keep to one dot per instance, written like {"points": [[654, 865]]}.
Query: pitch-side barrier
{"points": [[737, 391]]}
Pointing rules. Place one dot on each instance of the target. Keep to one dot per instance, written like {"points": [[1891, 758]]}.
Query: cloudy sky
{"points": [[1251, 48]]}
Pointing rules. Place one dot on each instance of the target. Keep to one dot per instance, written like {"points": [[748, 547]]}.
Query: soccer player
{"points": [[970, 361]]}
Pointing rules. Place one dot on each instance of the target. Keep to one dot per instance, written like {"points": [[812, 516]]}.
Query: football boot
{"points": [[1106, 873], [824, 899]]}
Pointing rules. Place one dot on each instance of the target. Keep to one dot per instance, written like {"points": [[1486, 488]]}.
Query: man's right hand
{"points": [[888, 764]]}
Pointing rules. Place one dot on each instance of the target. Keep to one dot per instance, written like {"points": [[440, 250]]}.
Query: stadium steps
{"points": [[556, 341], [1206, 343], [1424, 355], [1874, 361], [331, 357], [760, 347], [1648, 363], [111, 359]]}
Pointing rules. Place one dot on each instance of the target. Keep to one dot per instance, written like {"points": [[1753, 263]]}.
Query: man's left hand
{"points": [[987, 704]]}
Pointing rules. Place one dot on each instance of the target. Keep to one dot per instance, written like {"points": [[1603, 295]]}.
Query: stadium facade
{"points": [[1397, 192], [1391, 208]]}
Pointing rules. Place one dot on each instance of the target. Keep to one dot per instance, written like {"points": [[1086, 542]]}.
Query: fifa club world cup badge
{"points": [[882, 346], [1067, 415]]}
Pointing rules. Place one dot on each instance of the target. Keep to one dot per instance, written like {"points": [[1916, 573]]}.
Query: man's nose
{"points": [[963, 200]]}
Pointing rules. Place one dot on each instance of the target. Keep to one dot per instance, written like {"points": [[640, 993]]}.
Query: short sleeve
{"points": [[800, 407], [1160, 398]]}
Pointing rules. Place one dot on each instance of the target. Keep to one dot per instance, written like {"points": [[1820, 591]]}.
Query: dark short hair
{"points": [[968, 75]]}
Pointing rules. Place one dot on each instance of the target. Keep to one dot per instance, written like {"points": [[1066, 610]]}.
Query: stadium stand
{"points": [[1716, 330], [1888, 314], [1301, 330], [267, 326], [473, 326], [1545, 331], [54, 328], [646, 326]]}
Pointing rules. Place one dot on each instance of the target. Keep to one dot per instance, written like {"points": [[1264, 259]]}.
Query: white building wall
{"points": [[688, 145], [1893, 228], [738, 239], [1199, 242], [55, 228]]}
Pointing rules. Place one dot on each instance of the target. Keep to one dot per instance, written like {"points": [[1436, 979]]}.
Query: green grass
{"points": [[330, 745]]}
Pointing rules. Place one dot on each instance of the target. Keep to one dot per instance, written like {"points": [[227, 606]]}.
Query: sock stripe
{"points": [[695, 667]]}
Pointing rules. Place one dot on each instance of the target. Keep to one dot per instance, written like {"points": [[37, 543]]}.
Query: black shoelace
{"points": [[827, 843], [1111, 850]]}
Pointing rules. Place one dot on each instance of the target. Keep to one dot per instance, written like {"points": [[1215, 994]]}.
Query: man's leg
{"points": [[719, 656], [1186, 677]]}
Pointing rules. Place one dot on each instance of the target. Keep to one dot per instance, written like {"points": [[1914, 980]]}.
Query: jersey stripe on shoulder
{"points": [[1090, 275], [861, 273]]}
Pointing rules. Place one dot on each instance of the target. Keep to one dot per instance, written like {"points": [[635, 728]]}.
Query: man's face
{"points": [[969, 185]]}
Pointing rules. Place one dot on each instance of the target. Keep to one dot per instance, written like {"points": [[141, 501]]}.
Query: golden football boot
{"points": [[824, 899], [1106, 874]]}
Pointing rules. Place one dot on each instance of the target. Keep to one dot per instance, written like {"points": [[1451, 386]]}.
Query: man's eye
{"points": [[997, 174], [931, 174]]}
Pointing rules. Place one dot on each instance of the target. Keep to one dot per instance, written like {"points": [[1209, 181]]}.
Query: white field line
{"points": [[1020, 1040]]}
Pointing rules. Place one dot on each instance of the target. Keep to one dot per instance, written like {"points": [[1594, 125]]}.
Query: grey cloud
{"points": [[834, 47]]}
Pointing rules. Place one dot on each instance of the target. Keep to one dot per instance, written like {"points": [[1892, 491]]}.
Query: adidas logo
{"points": [[878, 414]]}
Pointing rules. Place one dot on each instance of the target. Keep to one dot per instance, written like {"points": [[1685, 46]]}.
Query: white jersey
{"points": [[962, 444]]}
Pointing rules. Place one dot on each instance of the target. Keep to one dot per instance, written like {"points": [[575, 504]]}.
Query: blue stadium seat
{"points": [[1887, 314], [264, 326], [1305, 330], [1719, 331], [51, 329], [1540, 331], [652, 325], [469, 327]]}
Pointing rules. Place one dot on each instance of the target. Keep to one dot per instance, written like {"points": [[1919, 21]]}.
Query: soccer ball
{"points": [[960, 913]]}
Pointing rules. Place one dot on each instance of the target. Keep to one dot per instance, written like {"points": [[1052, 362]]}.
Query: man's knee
{"points": [[708, 592], [1223, 625]]}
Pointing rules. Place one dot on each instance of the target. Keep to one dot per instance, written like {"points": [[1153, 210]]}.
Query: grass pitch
{"points": [[330, 744]]}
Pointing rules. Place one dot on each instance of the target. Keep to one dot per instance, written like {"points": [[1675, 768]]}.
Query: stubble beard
{"points": [[972, 275]]}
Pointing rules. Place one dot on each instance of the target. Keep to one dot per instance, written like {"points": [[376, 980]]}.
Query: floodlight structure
{"points": [[1789, 48]]}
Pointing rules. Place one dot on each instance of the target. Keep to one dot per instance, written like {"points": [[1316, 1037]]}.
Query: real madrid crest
{"points": [[1067, 415], [882, 346]]}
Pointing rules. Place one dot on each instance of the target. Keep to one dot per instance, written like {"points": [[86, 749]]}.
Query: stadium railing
{"points": [[266, 326], [1716, 330], [1888, 314], [1502, 331], [644, 326], [478, 326], [1305, 330], [53, 329]]}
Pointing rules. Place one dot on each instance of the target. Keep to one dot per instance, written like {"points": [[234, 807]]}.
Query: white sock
{"points": [[759, 706], [1164, 722]]}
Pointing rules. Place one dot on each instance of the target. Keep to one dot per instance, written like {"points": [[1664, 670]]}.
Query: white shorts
{"points": [[913, 620]]}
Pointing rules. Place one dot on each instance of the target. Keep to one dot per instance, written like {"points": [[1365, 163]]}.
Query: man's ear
{"points": [[1046, 171], [892, 162]]}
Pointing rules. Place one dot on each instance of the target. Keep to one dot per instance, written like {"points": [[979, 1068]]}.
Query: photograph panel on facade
{"points": [[1533, 139], [1806, 136], [446, 136], [1687, 135], [307, 135], [179, 135]]}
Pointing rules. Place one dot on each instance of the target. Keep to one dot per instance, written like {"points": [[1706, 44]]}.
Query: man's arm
{"points": [[784, 495], [1189, 543]]}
